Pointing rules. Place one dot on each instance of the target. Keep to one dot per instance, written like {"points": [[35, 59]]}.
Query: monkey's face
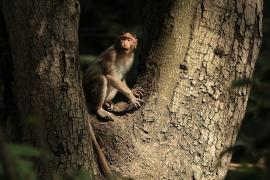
{"points": [[127, 42]]}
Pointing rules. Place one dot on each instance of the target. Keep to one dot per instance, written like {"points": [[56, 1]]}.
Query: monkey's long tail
{"points": [[101, 157]]}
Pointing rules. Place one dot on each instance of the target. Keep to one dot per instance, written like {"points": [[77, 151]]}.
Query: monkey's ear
{"points": [[135, 42]]}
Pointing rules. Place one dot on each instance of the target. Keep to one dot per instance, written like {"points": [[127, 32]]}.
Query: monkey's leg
{"points": [[101, 99], [111, 92]]}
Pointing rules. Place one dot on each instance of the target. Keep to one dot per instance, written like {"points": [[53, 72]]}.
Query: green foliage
{"points": [[21, 158], [87, 58], [25, 169], [32, 120], [21, 150]]}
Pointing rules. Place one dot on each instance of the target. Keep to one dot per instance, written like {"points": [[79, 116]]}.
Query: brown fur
{"points": [[107, 74]]}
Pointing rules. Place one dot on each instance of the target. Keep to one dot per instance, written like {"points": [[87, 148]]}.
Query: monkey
{"points": [[106, 76]]}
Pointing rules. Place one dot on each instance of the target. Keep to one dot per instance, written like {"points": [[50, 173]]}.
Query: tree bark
{"points": [[44, 43], [192, 52]]}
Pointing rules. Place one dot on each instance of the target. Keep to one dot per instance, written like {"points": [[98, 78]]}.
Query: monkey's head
{"points": [[127, 42]]}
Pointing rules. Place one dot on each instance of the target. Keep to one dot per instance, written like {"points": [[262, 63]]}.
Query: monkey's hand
{"points": [[138, 92], [136, 101]]}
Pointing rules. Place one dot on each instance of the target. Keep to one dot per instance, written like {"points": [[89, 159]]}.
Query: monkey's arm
{"points": [[124, 89], [137, 91]]}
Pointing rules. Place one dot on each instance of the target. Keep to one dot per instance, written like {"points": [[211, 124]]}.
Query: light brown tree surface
{"points": [[192, 52]]}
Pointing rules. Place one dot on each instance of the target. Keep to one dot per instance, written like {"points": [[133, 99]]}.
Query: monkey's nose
{"points": [[125, 47]]}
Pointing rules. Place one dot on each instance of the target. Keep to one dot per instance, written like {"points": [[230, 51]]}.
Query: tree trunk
{"points": [[192, 52], [44, 42], [8, 110]]}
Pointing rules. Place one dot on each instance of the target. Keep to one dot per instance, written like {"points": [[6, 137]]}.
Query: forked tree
{"points": [[192, 51]]}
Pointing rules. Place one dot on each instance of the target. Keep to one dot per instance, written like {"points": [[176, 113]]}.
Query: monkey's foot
{"points": [[105, 114], [109, 106], [138, 92], [136, 101]]}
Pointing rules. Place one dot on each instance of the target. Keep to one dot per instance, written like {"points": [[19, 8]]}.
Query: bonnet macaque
{"points": [[106, 76]]}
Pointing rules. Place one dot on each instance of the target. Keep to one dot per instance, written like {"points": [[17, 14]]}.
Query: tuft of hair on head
{"points": [[124, 32]]}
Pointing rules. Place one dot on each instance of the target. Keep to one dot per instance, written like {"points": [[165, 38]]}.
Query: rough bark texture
{"points": [[193, 51], [44, 42]]}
